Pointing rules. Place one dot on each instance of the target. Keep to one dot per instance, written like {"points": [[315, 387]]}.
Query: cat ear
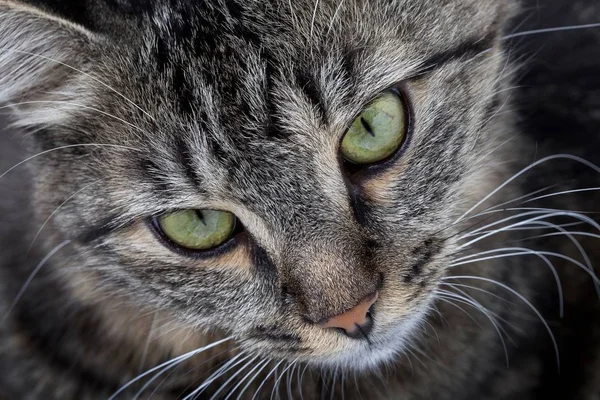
{"points": [[42, 62]]}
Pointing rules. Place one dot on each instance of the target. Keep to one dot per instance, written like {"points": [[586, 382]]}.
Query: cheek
{"points": [[380, 190], [222, 291]]}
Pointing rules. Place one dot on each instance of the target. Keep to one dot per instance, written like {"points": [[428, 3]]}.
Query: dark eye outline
{"points": [[237, 238], [355, 170]]}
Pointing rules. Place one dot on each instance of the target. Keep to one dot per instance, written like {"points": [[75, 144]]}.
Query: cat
{"points": [[383, 199]]}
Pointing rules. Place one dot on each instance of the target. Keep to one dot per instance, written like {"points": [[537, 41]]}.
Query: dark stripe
{"points": [[421, 256], [275, 334], [468, 49], [349, 58], [185, 93], [153, 174], [183, 155], [273, 125], [312, 92], [100, 229]]}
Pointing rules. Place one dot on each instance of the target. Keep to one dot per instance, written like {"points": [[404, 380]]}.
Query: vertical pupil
{"points": [[201, 217], [367, 127]]}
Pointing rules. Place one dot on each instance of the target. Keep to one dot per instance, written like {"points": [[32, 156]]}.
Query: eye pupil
{"points": [[201, 217], [367, 127]]}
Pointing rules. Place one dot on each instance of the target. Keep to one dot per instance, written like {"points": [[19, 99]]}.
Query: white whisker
{"points": [[520, 296], [266, 378], [562, 193], [545, 215], [482, 309], [460, 285], [85, 74], [169, 363], [574, 233], [276, 385], [74, 105], [62, 148], [217, 374], [551, 30], [262, 366], [314, 16], [57, 209], [335, 14], [448, 301], [31, 276], [526, 169], [518, 251], [232, 377]]}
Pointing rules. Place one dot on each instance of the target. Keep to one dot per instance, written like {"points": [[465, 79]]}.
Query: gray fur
{"points": [[240, 106]]}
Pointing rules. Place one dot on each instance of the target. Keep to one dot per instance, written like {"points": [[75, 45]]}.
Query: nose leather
{"points": [[357, 315]]}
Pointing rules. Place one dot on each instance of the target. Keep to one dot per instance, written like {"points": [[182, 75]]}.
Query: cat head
{"points": [[223, 160]]}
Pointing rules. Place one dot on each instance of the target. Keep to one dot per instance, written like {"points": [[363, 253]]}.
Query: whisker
{"points": [[69, 146], [171, 367], [264, 364], [314, 16], [266, 378], [333, 380], [335, 14], [550, 30], [85, 74], [544, 215], [172, 362], [300, 379], [517, 251], [276, 385], [57, 209], [30, 278], [460, 285], [485, 311], [520, 296], [356, 385], [562, 193], [448, 301], [434, 331], [290, 379], [232, 377], [217, 374], [148, 340], [75, 105], [495, 315], [525, 228], [211, 358], [497, 208], [575, 233], [525, 170]]}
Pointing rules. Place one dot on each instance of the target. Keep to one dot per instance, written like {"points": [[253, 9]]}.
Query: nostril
{"points": [[355, 320], [360, 331]]}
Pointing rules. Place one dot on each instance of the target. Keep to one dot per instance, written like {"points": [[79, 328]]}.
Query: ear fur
{"points": [[43, 63]]}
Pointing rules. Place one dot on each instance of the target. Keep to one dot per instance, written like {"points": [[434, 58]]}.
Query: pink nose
{"points": [[356, 316]]}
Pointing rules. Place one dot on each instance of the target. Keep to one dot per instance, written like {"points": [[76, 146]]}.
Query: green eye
{"points": [[378, 132], [197, 229]]}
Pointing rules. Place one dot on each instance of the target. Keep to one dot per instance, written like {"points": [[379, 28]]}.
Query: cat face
{"points": [[242, 108]]}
